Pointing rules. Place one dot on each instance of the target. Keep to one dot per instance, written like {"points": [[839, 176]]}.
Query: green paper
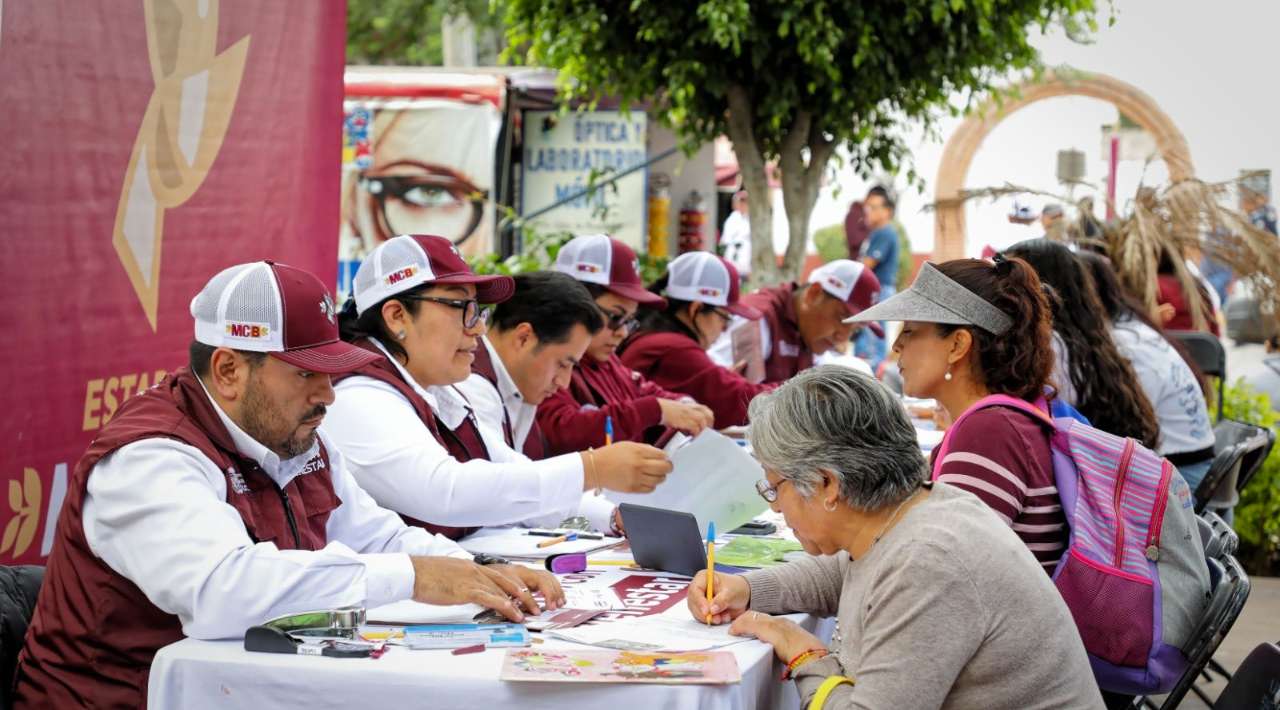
{"points": [[745, 551]]}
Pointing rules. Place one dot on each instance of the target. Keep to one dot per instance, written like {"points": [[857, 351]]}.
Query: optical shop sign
{"points": [[562, 155], [153, 150]]}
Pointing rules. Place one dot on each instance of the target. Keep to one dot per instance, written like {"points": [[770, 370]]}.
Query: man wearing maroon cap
{"points": [[602, 390], [800, 323], [210, 504]]}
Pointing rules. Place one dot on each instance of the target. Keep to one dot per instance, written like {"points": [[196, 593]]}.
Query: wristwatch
{"points": [[486, 559]]}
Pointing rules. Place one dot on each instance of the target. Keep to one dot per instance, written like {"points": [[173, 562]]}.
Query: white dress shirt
{"points": [[496, 406], [397, 460], [155, 511], [736, 238]]}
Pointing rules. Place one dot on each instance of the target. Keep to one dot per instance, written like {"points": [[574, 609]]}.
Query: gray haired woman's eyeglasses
{"points": [[768, 491]]}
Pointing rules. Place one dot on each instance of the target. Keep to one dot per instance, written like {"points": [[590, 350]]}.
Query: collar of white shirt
{"points": [[506, 385], [280, 470], [449, 405]]}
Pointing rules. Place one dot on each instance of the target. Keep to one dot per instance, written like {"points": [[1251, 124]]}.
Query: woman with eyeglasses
{"points": [[411, 438], [603, 390], [937, 602], [670, 347]]}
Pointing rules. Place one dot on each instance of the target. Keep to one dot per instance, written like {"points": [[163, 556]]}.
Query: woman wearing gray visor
{"points": [[974, 328]]}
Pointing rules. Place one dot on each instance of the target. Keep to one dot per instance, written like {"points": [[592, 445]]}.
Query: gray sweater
{"points": [[948, 610]]}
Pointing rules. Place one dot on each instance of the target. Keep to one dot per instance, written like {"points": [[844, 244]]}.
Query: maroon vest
{"points": [[788, 354], [535, 444], [94, 633], [463, 443]]}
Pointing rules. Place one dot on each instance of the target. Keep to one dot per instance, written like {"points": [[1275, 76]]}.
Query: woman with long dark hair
{"points": [[1091, 374], [1186, 435], [670, 347]]}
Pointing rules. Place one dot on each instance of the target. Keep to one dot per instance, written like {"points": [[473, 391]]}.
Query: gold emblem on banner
{"points": [[24, 503], [181, 132]]}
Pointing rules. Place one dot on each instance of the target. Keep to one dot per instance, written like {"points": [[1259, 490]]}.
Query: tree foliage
{"points": [[787, 80], [407, 32]]}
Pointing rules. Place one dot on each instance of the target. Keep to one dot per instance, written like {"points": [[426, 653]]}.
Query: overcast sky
{"points": [[1210, 66]]}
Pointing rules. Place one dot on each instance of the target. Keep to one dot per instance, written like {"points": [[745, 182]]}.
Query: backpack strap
{"points": [[1038, 411]]}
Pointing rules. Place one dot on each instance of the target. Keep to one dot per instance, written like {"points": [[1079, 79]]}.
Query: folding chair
{"points": [[1254, 459], [1218, 537], [1236, 445], [1256, 683], [1229, 587], [1208, 354]]}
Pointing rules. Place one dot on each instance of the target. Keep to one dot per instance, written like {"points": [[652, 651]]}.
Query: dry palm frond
{"points": [[1185, 218]]}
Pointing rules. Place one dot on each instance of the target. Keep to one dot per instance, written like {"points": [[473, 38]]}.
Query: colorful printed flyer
{"points": [[568, 666]]}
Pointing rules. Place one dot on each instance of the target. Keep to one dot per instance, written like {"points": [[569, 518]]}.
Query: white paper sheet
{"points": [[410, 612], [518, 543], [664, 632], [713, 478]]}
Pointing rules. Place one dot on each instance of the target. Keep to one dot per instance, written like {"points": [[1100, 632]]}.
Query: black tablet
{"points": [[666, 540]]}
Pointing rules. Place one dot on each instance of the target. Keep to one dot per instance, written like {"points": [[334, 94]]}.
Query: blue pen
{"points": [[608, 430]]}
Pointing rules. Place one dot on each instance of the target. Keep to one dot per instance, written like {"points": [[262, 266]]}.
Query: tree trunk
{"points": [[800, 185], [755, 179]]}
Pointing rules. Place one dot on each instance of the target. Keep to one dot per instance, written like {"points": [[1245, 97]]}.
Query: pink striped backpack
{"points": [[1133, 574]]}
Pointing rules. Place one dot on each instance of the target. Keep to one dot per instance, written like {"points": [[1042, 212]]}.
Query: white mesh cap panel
{"points": [[698, 276], [240, 308], [587, 258], [397, 265]]}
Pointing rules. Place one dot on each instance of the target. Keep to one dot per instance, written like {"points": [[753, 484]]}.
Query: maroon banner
{"points": [[146, 146]]}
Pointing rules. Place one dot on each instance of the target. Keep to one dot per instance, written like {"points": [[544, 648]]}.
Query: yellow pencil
{"points": [[711, 567]]}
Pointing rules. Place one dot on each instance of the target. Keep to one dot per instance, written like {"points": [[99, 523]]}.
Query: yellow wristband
{"points": [[824, 690]]}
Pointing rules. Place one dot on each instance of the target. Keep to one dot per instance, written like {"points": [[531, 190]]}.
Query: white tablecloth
{"points": [[195, 674]]}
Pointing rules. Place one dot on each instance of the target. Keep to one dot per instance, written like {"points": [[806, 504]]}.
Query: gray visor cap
{"points": [[934, 298]]}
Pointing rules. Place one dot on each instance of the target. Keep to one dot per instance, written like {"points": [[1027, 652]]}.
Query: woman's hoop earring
{"points": [[829, 506]]}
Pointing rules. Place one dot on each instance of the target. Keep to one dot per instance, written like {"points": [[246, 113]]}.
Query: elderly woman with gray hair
{"points": [[938, 603]]}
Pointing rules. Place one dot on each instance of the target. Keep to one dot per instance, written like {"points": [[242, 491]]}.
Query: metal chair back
{"points": [[1208, 354]]}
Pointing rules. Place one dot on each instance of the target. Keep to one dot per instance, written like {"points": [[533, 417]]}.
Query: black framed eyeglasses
{"points": [[768, 491], [441, 204], [616, 321], [473, 313]]}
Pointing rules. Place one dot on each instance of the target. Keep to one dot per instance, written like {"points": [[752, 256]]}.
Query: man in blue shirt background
{"points": [[880, 253]]}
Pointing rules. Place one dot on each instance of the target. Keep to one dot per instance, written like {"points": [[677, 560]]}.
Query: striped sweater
{"points": [[1003, 457]]}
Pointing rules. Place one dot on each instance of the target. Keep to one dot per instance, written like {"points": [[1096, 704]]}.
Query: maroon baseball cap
{"points": [[852, 283], [279, 310], [408, 261], [601, 259]]}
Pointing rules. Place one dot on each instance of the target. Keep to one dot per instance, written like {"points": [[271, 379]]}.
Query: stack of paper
{"points": [[663, 632], [517, 543]]}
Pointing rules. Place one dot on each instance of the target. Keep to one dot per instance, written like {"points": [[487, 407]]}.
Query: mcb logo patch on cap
{"points": [[253, 331], [710, 292], [399, 275], [588, 267], [837, 283]]}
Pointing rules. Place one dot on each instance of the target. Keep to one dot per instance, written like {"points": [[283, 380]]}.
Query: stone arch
{"points": [[948, 230]]}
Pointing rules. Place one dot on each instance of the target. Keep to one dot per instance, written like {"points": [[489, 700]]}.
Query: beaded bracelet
{"points": [[801, 659]]}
